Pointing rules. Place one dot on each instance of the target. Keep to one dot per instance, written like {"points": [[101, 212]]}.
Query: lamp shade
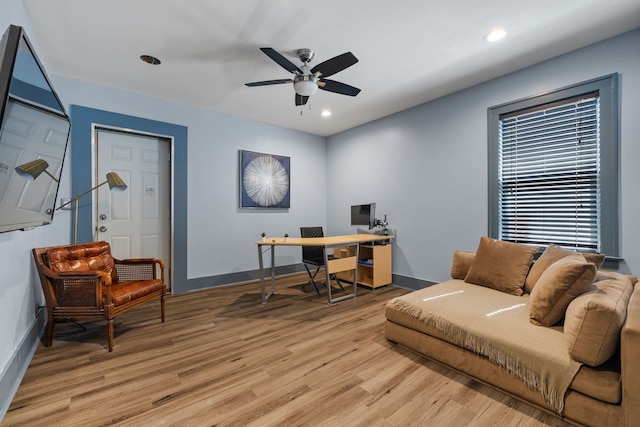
{"points": [[32, 170], [305, 87], [115, 182]]}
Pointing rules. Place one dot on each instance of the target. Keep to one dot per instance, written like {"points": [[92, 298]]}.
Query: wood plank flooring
{"points": [[223, 359]]}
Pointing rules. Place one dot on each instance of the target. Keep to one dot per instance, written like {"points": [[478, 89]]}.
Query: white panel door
{"points": [[137, 221]]}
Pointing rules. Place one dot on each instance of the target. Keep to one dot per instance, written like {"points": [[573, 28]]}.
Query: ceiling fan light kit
{"points": [[305, 85], [307, 81]]}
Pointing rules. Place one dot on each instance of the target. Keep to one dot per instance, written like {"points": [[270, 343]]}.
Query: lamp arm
{"points": [[52, 177], [79, 196]]}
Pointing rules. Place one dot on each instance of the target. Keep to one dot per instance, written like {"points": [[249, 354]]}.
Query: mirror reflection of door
{"points": [[30, 133], [137, 221], [33, 126]]}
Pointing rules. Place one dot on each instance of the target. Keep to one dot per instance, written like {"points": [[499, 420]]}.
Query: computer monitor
{"points": [[364, 215]]}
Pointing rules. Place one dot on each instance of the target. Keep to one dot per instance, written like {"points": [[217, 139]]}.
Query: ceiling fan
{"points": [[307, 81]]}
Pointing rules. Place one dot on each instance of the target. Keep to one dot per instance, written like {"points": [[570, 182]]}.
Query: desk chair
{"points": [[314, 256]]}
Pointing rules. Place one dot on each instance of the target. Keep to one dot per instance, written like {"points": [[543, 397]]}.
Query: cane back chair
{"points": [[85, 281]]}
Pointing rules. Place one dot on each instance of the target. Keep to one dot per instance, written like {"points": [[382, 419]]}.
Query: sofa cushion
{"points": [[594, 319], [500, 265], [550, 255], [494, 324], [601, 382], [125, 292], [461, 262], [83, 257], [558, 285]]}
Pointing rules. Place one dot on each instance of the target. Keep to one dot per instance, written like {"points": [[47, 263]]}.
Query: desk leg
{"points": [[273, 271], [261, 268], [330, 299], [328, 278], [264, 297]]}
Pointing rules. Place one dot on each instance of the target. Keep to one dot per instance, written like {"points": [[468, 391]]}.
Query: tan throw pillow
{"points": [[596, 259], [550, 255], [594, 319], [461, 263], [558, 285], [500, 265]]}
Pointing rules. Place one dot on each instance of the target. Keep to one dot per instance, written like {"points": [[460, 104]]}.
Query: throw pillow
{"points": [[593, 320], [558, 285], [500, 265], [596, 259], [461, 263], [550, 255]]}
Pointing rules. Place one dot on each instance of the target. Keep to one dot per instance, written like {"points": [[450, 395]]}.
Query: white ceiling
{"points": [[409, 51]]}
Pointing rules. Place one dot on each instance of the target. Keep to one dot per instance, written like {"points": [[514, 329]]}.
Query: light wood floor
{"points": [[223, 359]]}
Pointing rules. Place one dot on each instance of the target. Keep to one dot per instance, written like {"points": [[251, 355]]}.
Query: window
{"points": [[553, 168]]}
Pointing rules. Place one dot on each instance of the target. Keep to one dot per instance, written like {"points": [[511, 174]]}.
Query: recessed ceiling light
{"points": [[150, 59], [325, 113], [495, 35]]}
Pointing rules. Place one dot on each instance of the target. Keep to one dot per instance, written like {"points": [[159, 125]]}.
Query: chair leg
{"points": [[311, 279], [338, 281], [110, 334], [48, 336], [162, 307]]}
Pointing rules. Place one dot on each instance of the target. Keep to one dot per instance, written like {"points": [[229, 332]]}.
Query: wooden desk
{"points": [[332, 265]]}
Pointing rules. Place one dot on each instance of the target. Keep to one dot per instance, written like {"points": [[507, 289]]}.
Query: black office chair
{"points": [[314, 256]]}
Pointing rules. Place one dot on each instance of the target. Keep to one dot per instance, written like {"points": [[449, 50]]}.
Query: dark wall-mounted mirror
{"points": [[35, 126]]}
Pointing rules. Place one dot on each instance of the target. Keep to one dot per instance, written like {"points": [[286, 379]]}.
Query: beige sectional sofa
{"points": [[557, 333]]}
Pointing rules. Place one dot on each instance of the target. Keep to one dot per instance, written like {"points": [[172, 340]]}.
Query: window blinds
{"points": [[549, 189]]}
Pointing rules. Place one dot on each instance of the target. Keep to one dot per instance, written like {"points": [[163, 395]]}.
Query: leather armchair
{"points": [[85, 281]]}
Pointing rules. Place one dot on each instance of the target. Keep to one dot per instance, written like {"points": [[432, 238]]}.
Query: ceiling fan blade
{"points": [[281, 60], [269, 82], [337, 87], [335, 64], [301, 100]]}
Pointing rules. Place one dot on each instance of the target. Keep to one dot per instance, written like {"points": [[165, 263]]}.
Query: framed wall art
{"points": [[265, 180]]}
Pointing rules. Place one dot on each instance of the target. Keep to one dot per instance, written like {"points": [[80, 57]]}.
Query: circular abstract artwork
{"points": [[265, 181]]}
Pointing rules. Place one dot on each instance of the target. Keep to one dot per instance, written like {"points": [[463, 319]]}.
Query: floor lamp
{"points": [[33, 169], [115, 184]]}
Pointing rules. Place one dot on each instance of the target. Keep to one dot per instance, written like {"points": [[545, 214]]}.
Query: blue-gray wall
{"points": [[426, 167]]}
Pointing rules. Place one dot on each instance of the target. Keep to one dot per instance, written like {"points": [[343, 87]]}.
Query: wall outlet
{"points": [[66, 208]]}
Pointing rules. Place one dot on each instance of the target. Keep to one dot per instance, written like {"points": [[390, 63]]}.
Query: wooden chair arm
{"points": [[97, 275], [138, 260], [71, 288]]}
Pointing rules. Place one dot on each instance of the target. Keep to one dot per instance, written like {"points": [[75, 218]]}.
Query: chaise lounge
{"points": [[560, 334]]}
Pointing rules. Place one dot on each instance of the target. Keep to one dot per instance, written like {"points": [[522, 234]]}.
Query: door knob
{"points": [[102, 228]]}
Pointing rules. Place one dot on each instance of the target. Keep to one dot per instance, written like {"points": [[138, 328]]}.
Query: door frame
{"points": [[95, 128], [84, 121]]}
